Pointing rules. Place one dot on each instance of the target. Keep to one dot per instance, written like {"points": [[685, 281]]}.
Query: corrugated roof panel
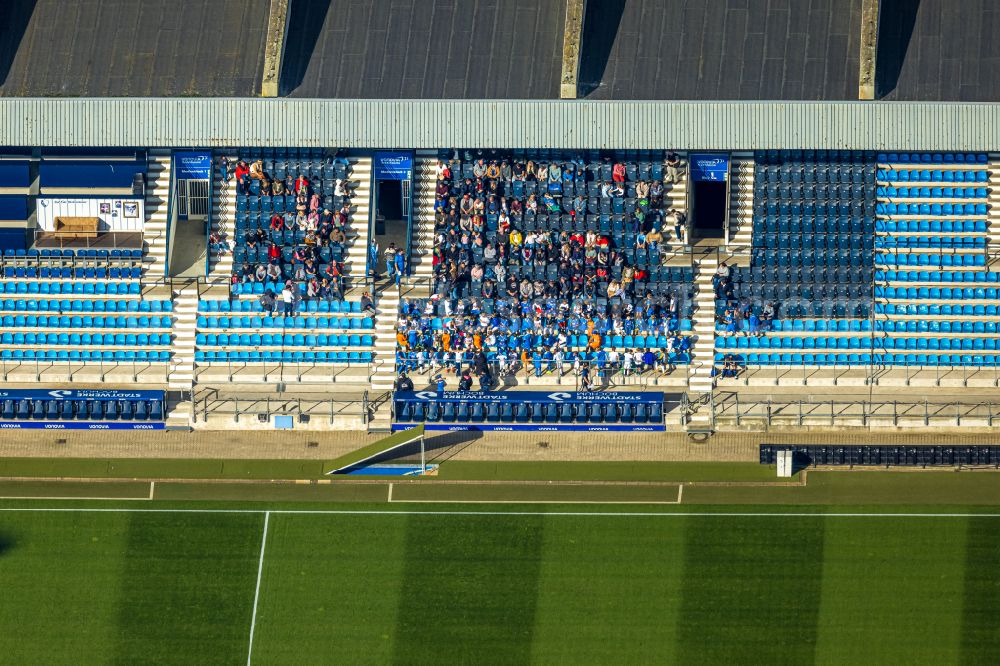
{"points": [[501, 124]]}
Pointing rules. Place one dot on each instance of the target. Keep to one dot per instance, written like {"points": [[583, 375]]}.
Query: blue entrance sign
{"points": [[193, 165], [709, 167], [569, 397], [393, 166], [66, 394]]}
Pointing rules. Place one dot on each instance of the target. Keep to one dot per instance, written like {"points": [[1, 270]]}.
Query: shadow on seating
{"points": [[304, 25], [895, 31], [600, 27], [12, 28]]}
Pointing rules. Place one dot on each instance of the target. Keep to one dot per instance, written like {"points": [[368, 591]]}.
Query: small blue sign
{"points": [[78, 425], [531, 427], [190, 165], [284, 423], [67, 394], [393, 166], [709, 167]]}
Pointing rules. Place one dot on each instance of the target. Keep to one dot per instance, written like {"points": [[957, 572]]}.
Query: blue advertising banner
{"points": [[78, 425], [533, 427], [193, 165], [708, 167], [393, 166], [572, 397], [64, 394]]}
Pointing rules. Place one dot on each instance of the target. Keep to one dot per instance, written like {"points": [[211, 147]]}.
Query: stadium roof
{"points": [[928, 50], [499, 124], [132, 48], [432, 49]]}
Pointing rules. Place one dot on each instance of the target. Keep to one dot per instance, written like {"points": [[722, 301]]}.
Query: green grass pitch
{"points": [[497, 588]]}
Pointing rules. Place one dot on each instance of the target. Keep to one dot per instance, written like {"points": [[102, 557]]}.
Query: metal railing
{"points": [[209, 404], [733, 410]]}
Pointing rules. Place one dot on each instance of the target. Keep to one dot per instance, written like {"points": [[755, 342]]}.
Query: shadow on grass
{"points": [[7, 543]]}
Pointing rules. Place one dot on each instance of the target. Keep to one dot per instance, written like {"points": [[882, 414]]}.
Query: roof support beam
{"points": [[274, 47], [869, 48], [572, 47]]}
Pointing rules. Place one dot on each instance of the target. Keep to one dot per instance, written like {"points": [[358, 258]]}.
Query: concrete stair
{"points": [[703, 350], [384, 372], [993, 218], [675, 196], [355, 260], [154, 234], [181, 374], [741, 175], [223, 223], [422, 241]]}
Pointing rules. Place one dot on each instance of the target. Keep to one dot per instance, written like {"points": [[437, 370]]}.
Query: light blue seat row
{"points": [[82, 288], [285, 322], [937, 276], [279, 339], [83, 356], [793, 342], [933, 158], [931, 226], [937, 293], [887, 358], [937, 344], [99, 339], [790, 359], [921, 259], [931, 242], [935, 326], [78, 305], [253, 305], [85, 321], [933, 175], [68, 273], [282, 357], [936, 310], [892, 192], [258, 288], [822, 325], [935, 209]]}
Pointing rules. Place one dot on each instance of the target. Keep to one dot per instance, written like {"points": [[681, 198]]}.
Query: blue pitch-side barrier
{"points": [[519, 411], [78, 425]]}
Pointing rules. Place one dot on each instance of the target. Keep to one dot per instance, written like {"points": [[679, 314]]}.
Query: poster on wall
{"points": [[131, 209], [105, 208]]}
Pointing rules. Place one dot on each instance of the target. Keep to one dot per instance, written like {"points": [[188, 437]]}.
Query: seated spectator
{"points": [[301, 185], [242, 174]]}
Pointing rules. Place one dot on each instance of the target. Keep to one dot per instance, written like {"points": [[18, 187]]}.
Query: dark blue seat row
{"points": [[81, 410], [408, 411]]}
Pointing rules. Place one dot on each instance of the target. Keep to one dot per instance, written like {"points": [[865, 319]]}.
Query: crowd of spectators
{"points": [[545, 264], [293, 229]]}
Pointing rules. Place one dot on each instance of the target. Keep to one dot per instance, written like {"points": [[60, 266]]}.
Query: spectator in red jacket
{"points": [[242, 174]]}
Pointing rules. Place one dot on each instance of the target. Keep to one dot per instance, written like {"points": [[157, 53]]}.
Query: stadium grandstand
{"points": [[677, 205]]}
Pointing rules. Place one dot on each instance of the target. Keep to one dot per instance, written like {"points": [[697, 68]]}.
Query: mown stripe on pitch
{"points": [[751, 590], [981, 609], [469, 589], [187, 587]]}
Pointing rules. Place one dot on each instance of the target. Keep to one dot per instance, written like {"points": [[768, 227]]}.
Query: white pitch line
{"points": [[256, 595], [390, 494], [610, 502], [152, 487], [680, 493], [407, 512]]}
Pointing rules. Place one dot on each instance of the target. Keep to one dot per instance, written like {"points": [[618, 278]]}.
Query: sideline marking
{"points": [[680, 492], [256, 595], [152, 486], [407, 512], [390, 493]]}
